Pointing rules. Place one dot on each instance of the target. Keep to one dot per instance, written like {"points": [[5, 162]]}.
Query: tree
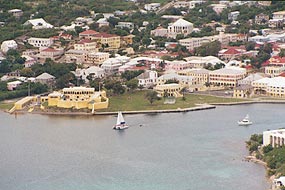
{"points": [[249, 46], [151, 96], [282, 53], [132, 84], [128, 75], [211, 48], [118, 88]]}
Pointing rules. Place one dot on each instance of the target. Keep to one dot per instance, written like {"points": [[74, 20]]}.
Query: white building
{"points": [[181, 26], [227, 76], [250, 78], [274, 137], [233, 15], [93, 71], [147, 79], [111, 66], [40, 42], [9, 44], [16, 12], [128, 25], [13, 85], [38, 23], [152, 6]]}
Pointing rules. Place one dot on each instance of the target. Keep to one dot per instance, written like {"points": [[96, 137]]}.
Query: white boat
{"points": [[121, 124], [245, 121]]}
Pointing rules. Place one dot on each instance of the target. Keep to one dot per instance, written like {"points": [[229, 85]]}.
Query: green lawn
{"points": [[136, 101], [6, 105]]}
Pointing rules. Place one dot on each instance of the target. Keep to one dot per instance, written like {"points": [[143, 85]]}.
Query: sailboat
{"points": [[245, 121], [121, 124]]}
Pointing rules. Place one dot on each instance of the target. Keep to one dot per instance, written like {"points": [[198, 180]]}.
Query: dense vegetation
{"points": [[274, 157]]}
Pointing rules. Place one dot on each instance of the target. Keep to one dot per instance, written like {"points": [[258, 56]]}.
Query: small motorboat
{"points": [[245, 121]]}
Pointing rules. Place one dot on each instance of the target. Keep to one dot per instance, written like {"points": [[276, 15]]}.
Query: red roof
{"points": [[49, 50], [104, 35], [88, 32], [85, 41], [275, 60], [282, 74], [232, 51]]}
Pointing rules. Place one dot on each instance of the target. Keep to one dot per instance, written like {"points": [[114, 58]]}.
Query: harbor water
{"points": [[183, 151]]}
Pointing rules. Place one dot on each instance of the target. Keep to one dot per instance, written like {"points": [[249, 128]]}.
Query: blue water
{"points": [[184, 151]]}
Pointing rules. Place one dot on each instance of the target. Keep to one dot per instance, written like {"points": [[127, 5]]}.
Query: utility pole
{"points": [[29, 88]]}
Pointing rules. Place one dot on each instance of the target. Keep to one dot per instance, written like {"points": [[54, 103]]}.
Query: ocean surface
{"points": [[200, 150]]}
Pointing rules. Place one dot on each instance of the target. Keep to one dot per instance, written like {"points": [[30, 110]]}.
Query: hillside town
{"points": [[245, 58], [166, 49]]}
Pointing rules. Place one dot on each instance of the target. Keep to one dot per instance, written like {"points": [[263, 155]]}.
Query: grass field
{"points": [[136, 101], [6, 105]]}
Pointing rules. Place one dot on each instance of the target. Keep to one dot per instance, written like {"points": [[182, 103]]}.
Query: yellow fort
{"points": [[79, 98]]}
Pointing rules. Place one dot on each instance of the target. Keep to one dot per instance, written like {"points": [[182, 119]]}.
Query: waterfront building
{"points": [[184, 81], [250, 78], [201, 75], [7, 45], [276, 87], [275, 138], [227, 76], [147, 79], [243, 91], [79, 98], [168, 90]]}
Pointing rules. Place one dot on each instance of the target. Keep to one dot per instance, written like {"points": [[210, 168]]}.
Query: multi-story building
{"points": [[261, 19], [191, 43], [108, 41], [50, 53], [96, 58], [275, 138], [87, 34], [40, 42], [177, 65], [227, 77], [79, 98], [233, 15], [277, 20], [86, 45], [168, 90], [180, 26], [75, 56], [201, 75]]}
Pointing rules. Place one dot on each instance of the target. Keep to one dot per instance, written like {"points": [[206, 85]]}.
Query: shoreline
{"points": [[199, 107]]}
